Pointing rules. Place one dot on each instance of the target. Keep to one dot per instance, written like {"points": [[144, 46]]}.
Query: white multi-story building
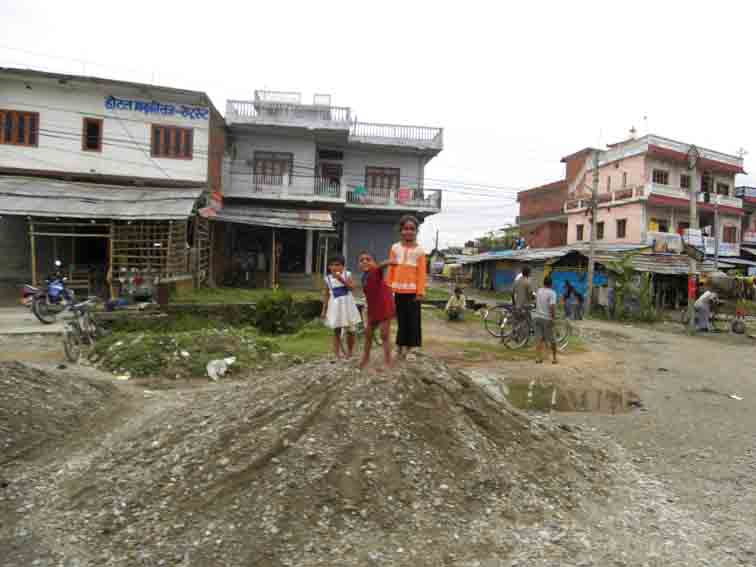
{"points": [[85, 160], [302, 181]]}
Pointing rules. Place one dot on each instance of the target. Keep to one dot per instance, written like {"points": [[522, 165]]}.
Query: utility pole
{"points": [[592, 242], [692, 282], [436, 240], [716, 232]]}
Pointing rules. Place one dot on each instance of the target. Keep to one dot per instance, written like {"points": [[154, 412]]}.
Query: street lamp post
{"points": [[693, 155]]}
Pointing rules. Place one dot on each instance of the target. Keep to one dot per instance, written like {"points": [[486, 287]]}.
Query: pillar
{"points": [[308, 252], [344, 238]]}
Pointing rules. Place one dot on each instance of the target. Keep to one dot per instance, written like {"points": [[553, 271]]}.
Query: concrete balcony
{"points": [[642, 192], [404, 198], [243, 185], [420, 137], [273, 113]]}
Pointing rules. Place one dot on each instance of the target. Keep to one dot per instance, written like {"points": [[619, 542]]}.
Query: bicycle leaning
{"points": [[80, 330], [523, 329]]}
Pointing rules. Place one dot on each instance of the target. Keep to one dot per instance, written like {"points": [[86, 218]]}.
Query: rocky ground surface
{"points": [[425, 465]]}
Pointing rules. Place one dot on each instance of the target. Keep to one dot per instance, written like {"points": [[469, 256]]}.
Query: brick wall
{"points": [[546, 235], [543, 201]]}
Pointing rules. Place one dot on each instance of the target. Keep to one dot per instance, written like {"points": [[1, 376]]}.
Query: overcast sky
{"points": [[516, 85]]}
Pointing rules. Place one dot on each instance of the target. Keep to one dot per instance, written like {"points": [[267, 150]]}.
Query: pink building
{"points": [[644, 190]]}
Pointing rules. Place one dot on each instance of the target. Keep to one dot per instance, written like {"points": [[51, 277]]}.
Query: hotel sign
{"points": [[155, 107]]}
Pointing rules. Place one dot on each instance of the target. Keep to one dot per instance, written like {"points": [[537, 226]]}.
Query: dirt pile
{"points": [[37, 407], [322, 465]]}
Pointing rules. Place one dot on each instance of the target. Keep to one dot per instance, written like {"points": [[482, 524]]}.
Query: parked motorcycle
{"points": [[54, 298]]}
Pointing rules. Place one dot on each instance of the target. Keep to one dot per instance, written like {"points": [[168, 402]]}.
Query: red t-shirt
{"points": [[380, 301]]}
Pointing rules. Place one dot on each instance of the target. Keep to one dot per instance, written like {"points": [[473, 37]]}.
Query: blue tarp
{"points": [[579, 281]]}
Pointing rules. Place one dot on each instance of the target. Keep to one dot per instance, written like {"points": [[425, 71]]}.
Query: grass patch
{"points": [[436, 294], [313, 341], [209, 295]]}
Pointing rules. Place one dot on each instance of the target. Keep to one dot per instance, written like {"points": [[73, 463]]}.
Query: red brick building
{"points": [[542, 221]]}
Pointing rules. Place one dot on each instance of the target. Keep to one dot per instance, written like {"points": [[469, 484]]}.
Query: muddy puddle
{"points": [[535, 396]]}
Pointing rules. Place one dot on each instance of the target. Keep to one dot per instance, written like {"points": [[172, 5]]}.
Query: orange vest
{"points": [[409, 273]]}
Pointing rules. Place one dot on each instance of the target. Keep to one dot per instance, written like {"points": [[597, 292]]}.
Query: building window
{"points": [[730, 234], [579, 232], [658, 225], [624, 179], [608, 183], [19, 128], [91, 135], [684, 181], [599, 231], [723, 189], [172, 142], [273, 168], [382, 178], [621, 228], [661, 177]]}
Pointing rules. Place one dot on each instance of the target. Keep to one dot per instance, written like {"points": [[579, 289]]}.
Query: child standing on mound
{"points": [[406, 277], [339, 309], [380, 307]]}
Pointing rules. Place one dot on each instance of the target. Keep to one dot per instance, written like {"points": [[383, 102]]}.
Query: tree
{"points": [[492, 242]]}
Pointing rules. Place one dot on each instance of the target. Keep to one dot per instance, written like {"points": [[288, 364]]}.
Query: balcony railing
{"points": [[397, 134], [286, 113], [583, 200], [402, 198]]}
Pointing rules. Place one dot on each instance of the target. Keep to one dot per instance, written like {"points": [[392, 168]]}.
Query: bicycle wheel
{"points": [[498, 322], [72, 343], [519, 336], [562, 332]]}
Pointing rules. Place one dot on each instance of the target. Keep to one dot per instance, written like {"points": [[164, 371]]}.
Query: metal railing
{"points": [[403, 197], [283, 112], [426, 134], [583, 200]]}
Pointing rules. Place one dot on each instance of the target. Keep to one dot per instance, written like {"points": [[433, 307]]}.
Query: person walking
{"points": [[544, 316]]}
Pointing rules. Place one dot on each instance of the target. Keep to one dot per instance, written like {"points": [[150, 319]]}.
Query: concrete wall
{"points": [[633, 212], [373, 236], [126, 133], [634, 167]]}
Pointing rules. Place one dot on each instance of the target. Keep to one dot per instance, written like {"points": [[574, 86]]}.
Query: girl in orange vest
{"points": [[406, 277]]}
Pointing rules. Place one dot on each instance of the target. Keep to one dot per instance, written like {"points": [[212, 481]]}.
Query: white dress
{"points": [[342, 310]]}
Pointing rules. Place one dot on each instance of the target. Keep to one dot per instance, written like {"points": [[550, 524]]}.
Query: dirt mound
{"points": [[323, 465], [37, 407]]}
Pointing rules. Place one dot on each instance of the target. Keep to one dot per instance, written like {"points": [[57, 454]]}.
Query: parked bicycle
{"points": [[80, 330], [497, 320], [524, 328]]}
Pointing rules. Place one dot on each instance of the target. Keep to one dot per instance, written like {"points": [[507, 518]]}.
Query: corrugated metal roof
{"points": [[671, 264], [738, 262], [40, 197], [276, 218], [546, 254]]}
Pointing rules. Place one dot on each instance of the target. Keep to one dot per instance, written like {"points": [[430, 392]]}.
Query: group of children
{"points": [[397, 294]]}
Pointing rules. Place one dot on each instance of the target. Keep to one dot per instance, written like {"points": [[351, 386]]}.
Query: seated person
{"points": [[455, 307]]}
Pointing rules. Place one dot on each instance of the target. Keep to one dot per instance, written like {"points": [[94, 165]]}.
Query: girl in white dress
{"points": [[339, 309]]}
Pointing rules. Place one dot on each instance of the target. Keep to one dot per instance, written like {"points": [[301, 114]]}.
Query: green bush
{"points": [[277, 314]]}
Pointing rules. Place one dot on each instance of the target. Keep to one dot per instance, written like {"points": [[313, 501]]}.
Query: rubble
{"points": [[324, 465]]}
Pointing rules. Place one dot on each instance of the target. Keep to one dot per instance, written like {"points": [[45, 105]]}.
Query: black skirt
{"points": [[409, 332]]}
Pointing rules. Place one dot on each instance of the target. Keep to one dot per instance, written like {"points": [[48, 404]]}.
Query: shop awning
{"points": [[40, 197], [303, 219]]}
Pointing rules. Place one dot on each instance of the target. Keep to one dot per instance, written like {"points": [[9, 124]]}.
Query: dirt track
{"points": [[677, 489]]}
